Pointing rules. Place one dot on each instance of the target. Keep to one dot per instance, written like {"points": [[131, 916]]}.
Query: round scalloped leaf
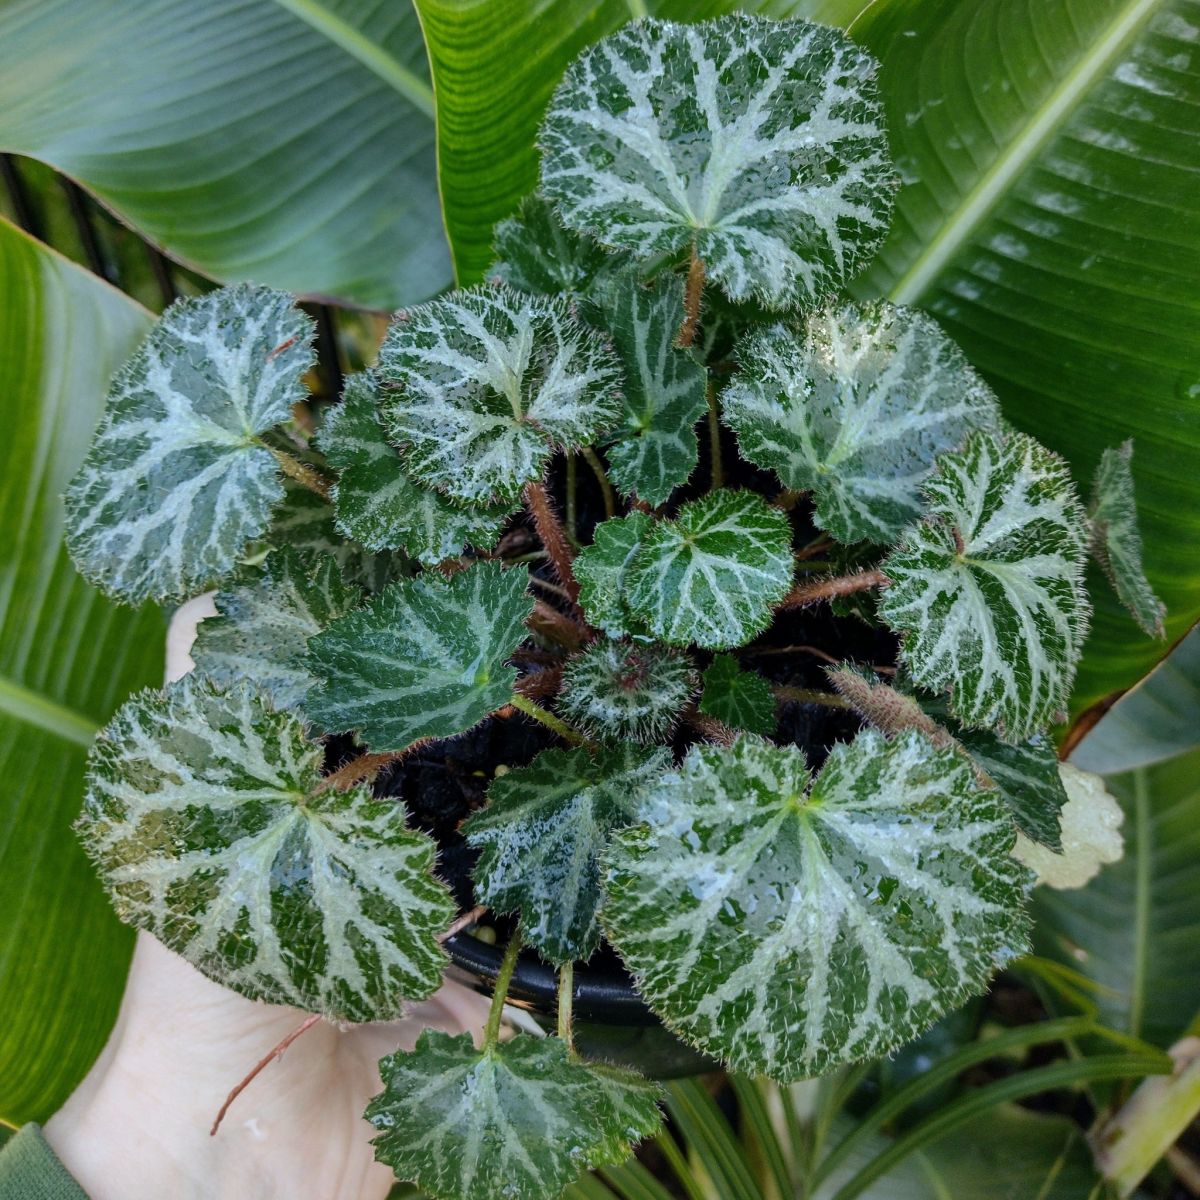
{"points": [[1116, 541], [759, 143], [656, 448], [711, 576], [378, 505], [737, 698], [788, 925], [618, 690], [988, 590], [265, 620], [518, 1120], [425, 658], [486, 383], [541, 835], [178, 482], [855, 407], [537, 253], [205, 819], [600, 568]]}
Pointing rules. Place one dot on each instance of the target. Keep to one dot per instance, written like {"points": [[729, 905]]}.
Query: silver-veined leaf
{"points": [[656, 448], [855, 406], [264, 622], [537, 253], [758, 143], [615, 691], [486, 383], [988, 591], [711, 575], [737, 698], [1116, 542], [600, 568], [541, 835], [425, 658], [789, 925], [178, 481], [206, 821], [518, 1120], [377, 504]]}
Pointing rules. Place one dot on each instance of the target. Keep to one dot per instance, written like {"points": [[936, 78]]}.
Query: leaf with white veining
{"points": [[541, 835], [178, 482], [376, 502], [485, 383], [425, 658], [264, 622], [600, 570], [760, 143], [206, 821], [711, 576], [855, 406], [518, 1120], [536, 253], [737, 698], [988, 590], [789, 924], [1116, 541]]}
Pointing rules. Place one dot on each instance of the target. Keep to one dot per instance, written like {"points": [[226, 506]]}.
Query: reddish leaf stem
{"points": [[554, 539], [831, 588], [692, 292]]}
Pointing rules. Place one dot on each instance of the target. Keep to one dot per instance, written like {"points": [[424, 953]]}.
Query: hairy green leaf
{"points": [[711, 575], [541, 835], [600, 571], [615, 691], [855, 406], [519, 1120], [377, 504], [740, 699], [1116, 542], [425, 658], [664, 387], [178, 481], [486, 383], [988, 590], [758, 144], [789, 924], [205, 818], [265, 621], [537, 253]]}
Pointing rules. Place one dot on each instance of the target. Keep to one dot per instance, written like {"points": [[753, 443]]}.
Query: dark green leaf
{"points": [[600, 571], [740, 699]]}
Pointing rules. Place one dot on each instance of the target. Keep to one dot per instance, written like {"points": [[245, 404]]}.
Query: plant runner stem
{"points": [[610, 499], [714, 438], [554, 538], [302, 474], [538, 713], [797, 695], [830, 589], [692, 292], [491, 1034], [566, 994], [572, 499]]}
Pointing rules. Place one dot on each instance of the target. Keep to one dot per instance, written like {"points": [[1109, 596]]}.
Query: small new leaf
{"points": [[1116, 542], [486, 383], [737, 698], [855, 407], [265, 621], [664, 387], [711, 576], [541, 835], [618, 690], [206, 822], [378, 505], [790, 925], [759, 143], [537, 253], [600, 569], [988, 590], [518, 1120], [178, 482], [425, 658]]}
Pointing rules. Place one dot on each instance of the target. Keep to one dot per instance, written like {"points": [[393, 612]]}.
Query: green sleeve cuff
{"points": [[30, 1170]]}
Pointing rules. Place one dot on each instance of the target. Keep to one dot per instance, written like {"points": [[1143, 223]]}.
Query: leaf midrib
{"points": [[1010, 165], [30, 708], [412, 87]]}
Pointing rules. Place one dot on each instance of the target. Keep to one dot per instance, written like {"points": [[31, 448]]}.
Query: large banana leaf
{"points": [[67, 658], [1051, 221], [288, 142]]}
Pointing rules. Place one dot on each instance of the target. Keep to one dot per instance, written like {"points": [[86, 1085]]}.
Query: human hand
{"points": [[138, 1126]]}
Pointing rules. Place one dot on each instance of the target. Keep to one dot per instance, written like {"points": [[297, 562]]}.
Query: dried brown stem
{"points": [[692, 293], [554, 539], [301, 473], [606, 489], [462, 921], [831, 588], [558, 627], [767, 651]]}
